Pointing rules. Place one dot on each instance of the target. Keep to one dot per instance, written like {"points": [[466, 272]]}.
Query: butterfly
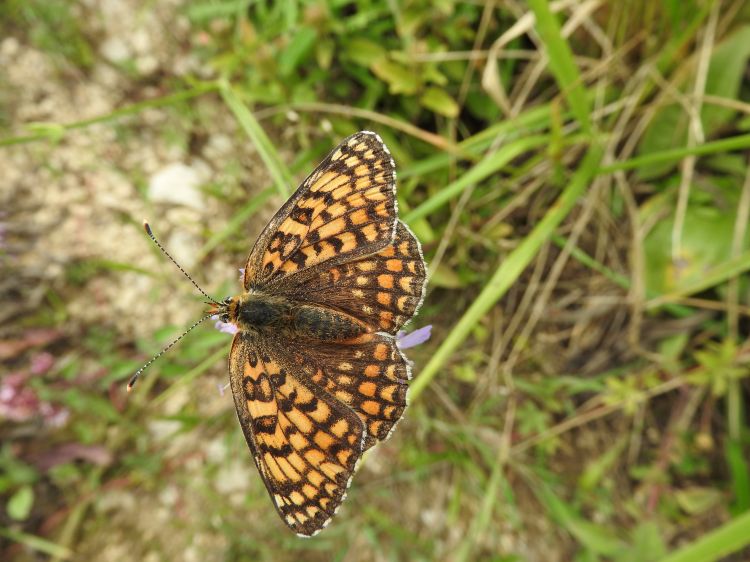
{"points": [[315, 369]]}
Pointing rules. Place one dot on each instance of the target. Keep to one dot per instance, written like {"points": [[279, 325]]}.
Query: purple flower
{"points": [[226, 327], [417, 337]]}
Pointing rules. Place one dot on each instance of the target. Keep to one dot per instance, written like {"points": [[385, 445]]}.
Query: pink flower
{"points": [[19, 403], [41, 363]]}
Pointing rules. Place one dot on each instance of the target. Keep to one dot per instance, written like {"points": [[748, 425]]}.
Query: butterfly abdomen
{"points": [[325, 324], [260, 312]]}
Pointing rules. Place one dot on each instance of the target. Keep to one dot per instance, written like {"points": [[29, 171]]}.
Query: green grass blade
{"points": [[728, 538], [576, 253], [534, 120], [740, 142], [282, 178], [482, 520], [561, 63], [739, 472], [483, 169], [37, 543], [594, 538], [236, 222], [511, 268], [52, 130], [192, 374]]}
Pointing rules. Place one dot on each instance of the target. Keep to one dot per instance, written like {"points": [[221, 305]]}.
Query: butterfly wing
{"points": [[304, 442], [384, 289], [344, 210], [370, 375]]}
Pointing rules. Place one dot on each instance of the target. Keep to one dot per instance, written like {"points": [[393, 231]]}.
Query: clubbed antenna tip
{"points": [[147, 228], [137, 374]]}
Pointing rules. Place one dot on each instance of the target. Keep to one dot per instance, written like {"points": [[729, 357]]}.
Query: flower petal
{"points": [[417, 337], [226, 327]]}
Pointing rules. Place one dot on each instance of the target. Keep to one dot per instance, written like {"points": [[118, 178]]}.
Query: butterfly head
{"points": [[226, 310]]}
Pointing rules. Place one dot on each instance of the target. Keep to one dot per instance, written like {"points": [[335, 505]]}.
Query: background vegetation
{"points": [[578, 173]]}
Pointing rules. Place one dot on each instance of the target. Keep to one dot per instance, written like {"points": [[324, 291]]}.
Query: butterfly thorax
{"points": [[259, 312]]}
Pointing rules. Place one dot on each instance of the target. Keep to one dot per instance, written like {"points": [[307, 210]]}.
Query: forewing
{"points": [[384, 290], [344, 210], [305, 443], [369, 374]]}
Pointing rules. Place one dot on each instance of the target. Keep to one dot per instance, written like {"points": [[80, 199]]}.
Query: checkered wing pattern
{"points": [[305, 442], [384, 290], [344, 210], [369, 375]]}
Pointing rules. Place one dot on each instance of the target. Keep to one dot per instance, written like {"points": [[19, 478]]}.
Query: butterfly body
{"points": [[315, 368], [257, 312]]}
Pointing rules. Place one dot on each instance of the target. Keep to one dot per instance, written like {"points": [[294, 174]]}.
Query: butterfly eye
{"points": [[228, 300], [225, 318]]}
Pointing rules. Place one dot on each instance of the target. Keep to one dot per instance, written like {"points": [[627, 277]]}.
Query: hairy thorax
{"points": [[259, 312]]}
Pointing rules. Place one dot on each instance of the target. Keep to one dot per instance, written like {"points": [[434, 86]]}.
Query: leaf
{"points": [[647, 544], [302, 43], [594, 537], [69, 452], [697, 499], [38, 337], [363, 52], [706, 240], [670, 350], [669, 127], [725, 78], [400, 79], [717, 543], [20, 504], [445, 277], [439, 101], [324, 53], [597, 468]]}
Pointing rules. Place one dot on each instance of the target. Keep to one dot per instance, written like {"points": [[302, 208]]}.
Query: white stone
{"points": [[162, 430], [169, 495], [233, 477], [216, 451], [176, 183], [147, 64], [184, 248], [114, 49]]}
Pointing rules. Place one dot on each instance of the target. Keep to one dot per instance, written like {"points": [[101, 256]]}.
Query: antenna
{"points": [[163, 351], [151, 235], [213, 302]]}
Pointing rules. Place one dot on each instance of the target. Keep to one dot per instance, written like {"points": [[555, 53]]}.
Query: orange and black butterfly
{"points": [[316, 372]]}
